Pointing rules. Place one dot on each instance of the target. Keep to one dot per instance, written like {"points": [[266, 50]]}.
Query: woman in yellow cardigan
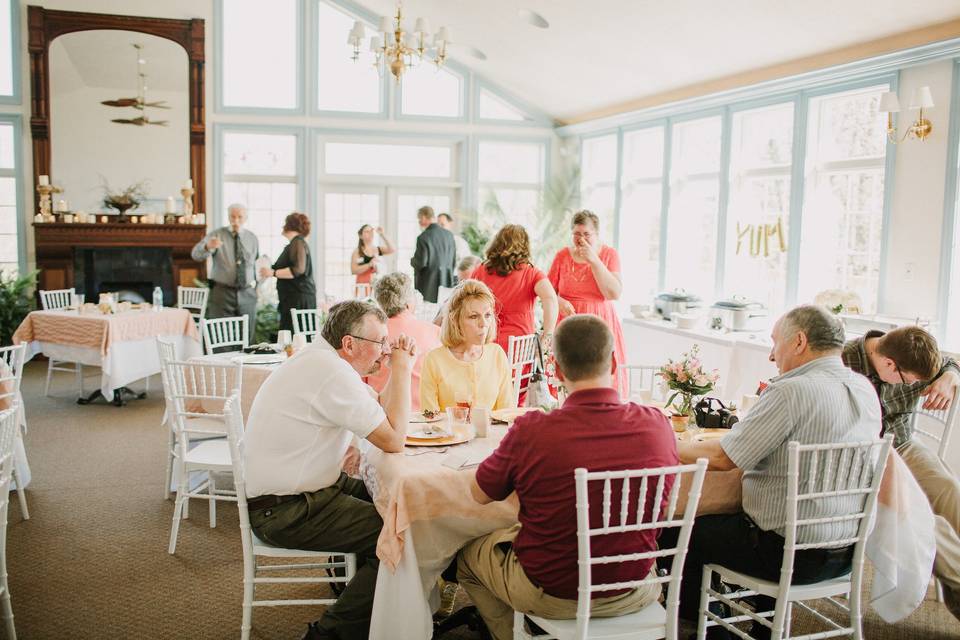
{"points": [[469, 366]]}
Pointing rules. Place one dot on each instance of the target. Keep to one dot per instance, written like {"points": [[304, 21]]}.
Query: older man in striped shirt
{"points": [[814, 400]]}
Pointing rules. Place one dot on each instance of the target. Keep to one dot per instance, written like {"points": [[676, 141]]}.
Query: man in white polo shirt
{"points": [[299, 430]]}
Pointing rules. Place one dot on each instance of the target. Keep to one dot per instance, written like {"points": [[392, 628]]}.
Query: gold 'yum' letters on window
{"points": [[757, 236]]}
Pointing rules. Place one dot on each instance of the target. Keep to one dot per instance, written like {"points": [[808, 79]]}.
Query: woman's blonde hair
{"points": [[508, 251], [450, 334]]}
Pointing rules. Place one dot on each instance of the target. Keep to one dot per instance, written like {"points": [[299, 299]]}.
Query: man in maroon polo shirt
{"points": [[532, 567]]}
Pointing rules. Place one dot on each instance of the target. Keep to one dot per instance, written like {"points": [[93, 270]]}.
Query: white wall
{"points": [[916, 214]]}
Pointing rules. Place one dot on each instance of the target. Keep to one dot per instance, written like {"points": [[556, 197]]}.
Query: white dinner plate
{"points": [[421, 434], [260, 358]]}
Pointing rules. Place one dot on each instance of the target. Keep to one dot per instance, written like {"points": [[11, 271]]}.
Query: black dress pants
{"points": [[737, 543]]}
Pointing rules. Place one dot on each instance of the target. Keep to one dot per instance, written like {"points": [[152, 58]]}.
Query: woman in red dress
{"points": [[516, 284], [587, 280]]}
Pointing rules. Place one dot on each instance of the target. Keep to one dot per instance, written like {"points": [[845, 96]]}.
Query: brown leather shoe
{"points": [[314, 633]]}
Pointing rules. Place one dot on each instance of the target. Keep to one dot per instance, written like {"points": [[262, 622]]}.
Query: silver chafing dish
{"points": [[738, 314], [676, 301]]}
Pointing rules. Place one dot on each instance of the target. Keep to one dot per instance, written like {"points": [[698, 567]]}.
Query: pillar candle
{"points": [[188, 184], [44, 181], [103, 218], [171, 205]]}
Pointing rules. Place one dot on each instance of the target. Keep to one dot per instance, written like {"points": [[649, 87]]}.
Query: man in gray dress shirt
{"points": [[814, 400], [233, 279]]}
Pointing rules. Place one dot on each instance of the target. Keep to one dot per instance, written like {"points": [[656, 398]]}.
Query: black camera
{"points": [[710, 417]]}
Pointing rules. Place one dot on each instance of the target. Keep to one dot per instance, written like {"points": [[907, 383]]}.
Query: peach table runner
{"points": [[409, 488], [99, 331]]}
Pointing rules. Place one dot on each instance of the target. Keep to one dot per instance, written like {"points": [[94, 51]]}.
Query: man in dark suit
{"points": [[434, 261]]}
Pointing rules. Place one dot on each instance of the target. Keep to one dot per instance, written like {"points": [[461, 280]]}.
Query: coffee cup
{"points": [[480, 418], [299, 341]]}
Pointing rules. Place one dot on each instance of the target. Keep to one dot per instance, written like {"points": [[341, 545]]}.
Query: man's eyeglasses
{"points": [[900, 373], [384, 345]]}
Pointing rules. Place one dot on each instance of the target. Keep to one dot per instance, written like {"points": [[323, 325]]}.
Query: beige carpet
{"points": [[92, 561]]}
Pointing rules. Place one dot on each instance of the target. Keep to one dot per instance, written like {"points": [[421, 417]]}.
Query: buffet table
{"points": [[743, 358]]}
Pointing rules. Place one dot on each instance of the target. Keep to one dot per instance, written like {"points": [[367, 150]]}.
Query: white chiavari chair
{"points": [[11, 374], [255, 574], [362, 290], [305, 321], [624, 515], [9, 427], [220, 333], [521, 356], [199, 391], [60, 299], [194, 300], [936, 426], [844, 478], [643, 385]]}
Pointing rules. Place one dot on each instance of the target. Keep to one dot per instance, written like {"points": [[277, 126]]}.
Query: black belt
{"points": [[214, 283], [265, 502]]}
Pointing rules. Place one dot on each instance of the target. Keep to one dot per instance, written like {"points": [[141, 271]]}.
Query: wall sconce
{"points": [[921, 128]]}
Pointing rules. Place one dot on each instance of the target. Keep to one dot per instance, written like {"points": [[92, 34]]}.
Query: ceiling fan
{"points": [[140, 102]]}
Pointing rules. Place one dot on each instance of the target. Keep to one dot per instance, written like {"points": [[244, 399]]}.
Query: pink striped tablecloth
{"points": [[100, 331]]}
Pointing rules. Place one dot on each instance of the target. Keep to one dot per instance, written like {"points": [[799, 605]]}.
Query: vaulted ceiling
{"points": [[602, 53]]}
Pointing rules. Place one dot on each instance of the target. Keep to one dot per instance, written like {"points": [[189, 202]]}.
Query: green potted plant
{"points": [[15, 302]]}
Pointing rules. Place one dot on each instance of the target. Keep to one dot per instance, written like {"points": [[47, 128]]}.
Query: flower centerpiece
{"points": [[687, 379], [129, 198]]}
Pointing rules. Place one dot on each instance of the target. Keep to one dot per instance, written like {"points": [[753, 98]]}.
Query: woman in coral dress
{"points": [[586, 278], [516, 284]]}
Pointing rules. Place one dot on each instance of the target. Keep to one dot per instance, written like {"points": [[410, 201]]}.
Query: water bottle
{"points": [[157, 298]]}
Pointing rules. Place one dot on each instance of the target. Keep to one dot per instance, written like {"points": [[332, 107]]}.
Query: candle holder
{"points": [[46, 192], [187, 194]]}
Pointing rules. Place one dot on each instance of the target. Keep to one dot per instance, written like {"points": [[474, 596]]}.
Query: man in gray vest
{"points": [[232, 270]]}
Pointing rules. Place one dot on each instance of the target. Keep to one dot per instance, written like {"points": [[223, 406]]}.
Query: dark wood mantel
{"points": [[56, 243]]}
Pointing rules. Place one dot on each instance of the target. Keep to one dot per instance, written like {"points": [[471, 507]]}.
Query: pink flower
{"points": [[700, 380], [682, 376], [694, 364]]}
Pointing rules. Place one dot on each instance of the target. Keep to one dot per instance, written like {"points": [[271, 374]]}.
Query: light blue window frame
{"points": [[951, 210], [533, 117], [17, 174], [302, 71], [14, 98], [220, 130], [800, 100]]}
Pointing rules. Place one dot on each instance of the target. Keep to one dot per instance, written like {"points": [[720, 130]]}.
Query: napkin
{"points": [[469, 461]]}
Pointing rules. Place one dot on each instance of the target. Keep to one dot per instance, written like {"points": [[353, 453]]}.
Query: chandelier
{"points": [[397, 49]]}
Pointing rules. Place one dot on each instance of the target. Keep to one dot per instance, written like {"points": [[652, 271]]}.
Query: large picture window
{"points": [[843, 201], [9, 253], [758, 212], [7, 77], [694, 200], [598, 180], [260, 61], [641, 203], [342, 83]]}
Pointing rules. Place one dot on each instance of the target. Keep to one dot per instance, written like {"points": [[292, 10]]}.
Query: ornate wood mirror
{"points": [[46, 25]]}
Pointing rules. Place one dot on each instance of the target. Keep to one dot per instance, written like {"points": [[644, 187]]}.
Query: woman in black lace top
{"points": [[294, 270]]}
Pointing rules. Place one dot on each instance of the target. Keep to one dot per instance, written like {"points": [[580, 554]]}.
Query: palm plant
{"points": [[15, 302]]}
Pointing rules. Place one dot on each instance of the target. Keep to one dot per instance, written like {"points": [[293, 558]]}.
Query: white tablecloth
{"points": [[742, 358], [124, 362]]}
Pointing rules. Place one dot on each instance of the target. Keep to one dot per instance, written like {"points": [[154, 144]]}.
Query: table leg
{"points": [[467, 615]]}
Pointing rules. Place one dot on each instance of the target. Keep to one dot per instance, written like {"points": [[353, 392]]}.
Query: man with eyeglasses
{"points": [[906, 366], [298, 451]]}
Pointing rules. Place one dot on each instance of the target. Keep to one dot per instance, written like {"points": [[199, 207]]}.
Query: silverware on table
{"points": [[408, 451]]}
